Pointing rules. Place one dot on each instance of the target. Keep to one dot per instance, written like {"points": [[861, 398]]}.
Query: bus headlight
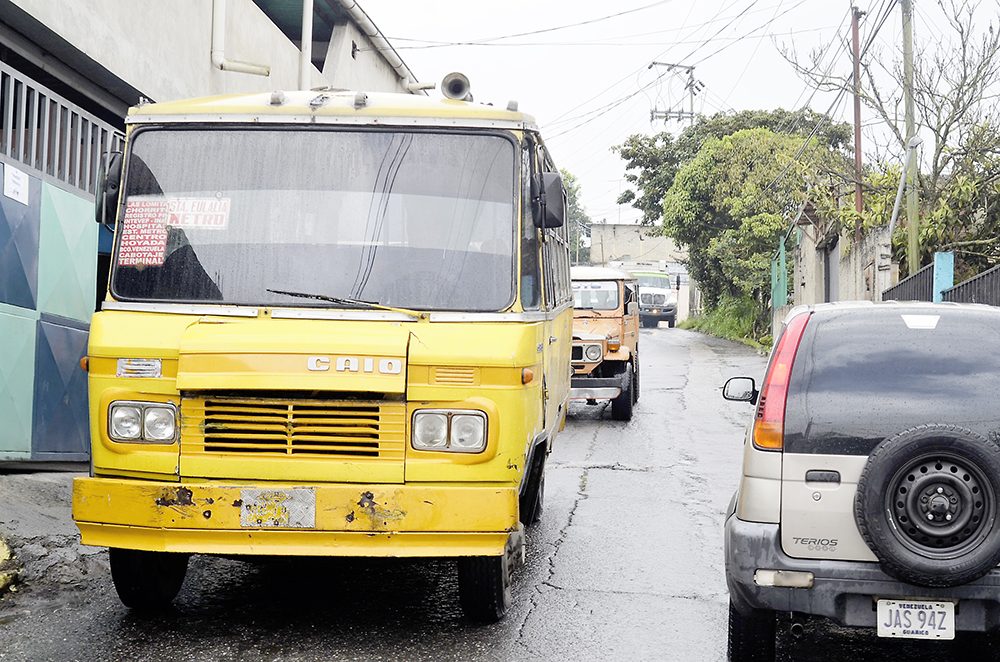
{"points": [[138, 422], [460, 431], [158, 424], [126, 423]]}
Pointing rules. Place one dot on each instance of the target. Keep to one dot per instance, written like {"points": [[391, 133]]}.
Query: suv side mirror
{"points": [[109, 178], [548, 200], [633, 308], [741, 389]]}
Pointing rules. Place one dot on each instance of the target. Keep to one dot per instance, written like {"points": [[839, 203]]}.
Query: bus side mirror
{"points": [[109, 178], [548, 200]]}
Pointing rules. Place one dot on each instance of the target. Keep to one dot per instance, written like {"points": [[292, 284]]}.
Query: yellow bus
{"points": [[337, 324]]}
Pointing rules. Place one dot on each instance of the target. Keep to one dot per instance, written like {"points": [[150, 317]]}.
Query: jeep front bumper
{"points": [[595, 388], [845, 591]]}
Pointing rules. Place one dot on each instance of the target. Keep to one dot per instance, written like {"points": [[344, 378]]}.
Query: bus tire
{"points": [[484, 587], [147, 580], [530, 503]]}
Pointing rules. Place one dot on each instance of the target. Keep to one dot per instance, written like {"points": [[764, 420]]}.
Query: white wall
{"points": [[612, 241], [163, 47]]}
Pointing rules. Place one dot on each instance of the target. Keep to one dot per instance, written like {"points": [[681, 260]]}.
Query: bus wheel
{"points": [[147, 580], [621, 407], [530, 505], [484, 587]]}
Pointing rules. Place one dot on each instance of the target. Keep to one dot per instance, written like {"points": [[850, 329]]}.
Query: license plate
{"points": [[293, 508], [916, 619]]}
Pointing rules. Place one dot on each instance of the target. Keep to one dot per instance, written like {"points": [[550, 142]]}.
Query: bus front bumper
{"points": [[307, 520]]}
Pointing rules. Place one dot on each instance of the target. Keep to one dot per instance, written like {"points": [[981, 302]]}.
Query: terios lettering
{"points": [[355, 364]]}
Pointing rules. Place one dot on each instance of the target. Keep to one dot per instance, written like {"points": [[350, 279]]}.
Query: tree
{"points": [[652, 162], [955, 84], [730, 206], [579, 221]]}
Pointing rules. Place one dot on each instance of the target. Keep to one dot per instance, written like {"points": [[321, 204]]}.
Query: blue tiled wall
{"points": [[48, 269]]}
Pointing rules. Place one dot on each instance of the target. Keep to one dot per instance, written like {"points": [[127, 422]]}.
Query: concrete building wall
{"points": [[868, 270], [637, 243], [809, 269], [163, 49], [353, 63]]}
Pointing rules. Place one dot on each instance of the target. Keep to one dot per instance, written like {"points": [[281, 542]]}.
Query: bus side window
{"points": [[530, 280], [555, 250]]}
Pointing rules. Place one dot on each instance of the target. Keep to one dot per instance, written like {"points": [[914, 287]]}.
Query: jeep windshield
{"points": [[407, 219], [595, 295]]}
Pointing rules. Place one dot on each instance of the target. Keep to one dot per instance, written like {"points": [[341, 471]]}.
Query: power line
{"points": [[533, 32]]}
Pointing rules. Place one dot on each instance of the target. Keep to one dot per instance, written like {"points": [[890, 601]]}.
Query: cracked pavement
{"points": [[626, 563]]}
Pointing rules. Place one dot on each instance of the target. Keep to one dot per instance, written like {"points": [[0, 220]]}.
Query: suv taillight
{"points": [[769, 427]]}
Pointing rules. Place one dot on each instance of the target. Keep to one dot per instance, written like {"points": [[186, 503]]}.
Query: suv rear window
{"points": [[861, 375]]}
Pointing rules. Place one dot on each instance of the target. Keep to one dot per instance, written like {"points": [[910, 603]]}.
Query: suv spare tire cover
{"points": [[926, 505]]}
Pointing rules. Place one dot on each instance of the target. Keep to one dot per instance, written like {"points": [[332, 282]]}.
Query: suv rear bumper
{"points": [[844, 591]]}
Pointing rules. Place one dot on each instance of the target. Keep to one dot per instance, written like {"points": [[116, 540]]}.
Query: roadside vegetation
{"points": [[732, 319]]}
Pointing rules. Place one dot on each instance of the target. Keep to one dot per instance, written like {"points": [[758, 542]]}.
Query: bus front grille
{"points": [[323, 428]]}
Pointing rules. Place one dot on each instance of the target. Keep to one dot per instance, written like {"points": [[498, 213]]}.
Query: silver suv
{"points": [[871, 476]]}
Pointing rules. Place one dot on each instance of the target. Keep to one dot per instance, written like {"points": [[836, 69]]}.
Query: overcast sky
{"points": [[582, 67]]}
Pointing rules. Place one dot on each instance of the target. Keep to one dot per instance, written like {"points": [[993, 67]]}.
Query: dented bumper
{"points": [[845, 591], [309, 520]]}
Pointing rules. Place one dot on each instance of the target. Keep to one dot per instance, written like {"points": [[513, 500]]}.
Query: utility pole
{"points": [[692, 86], [912, 220], [858, 201]]}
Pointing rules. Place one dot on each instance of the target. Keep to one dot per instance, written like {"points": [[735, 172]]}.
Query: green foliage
{"points": [[730, 205], [733, 319], [652, 162], [579, 221]]}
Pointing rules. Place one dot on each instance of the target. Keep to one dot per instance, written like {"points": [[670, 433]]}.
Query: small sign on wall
{"points": [[15, 184]]}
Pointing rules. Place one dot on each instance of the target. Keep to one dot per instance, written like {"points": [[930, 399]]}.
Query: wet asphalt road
{"points": [[626, 563]]}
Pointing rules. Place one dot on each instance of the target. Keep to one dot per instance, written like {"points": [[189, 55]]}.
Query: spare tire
{"points": [[926, 505]]}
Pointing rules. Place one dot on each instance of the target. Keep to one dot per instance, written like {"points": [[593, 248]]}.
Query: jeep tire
{"points": [[621, 407], [751, 636], [926, 505]]}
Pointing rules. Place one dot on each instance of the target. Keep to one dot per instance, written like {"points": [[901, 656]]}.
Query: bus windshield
{"points": [[236, 215]]}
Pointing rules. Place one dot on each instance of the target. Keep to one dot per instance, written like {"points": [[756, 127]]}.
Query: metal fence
{"points": [[918, 287], [982, 288], [44, 132]]}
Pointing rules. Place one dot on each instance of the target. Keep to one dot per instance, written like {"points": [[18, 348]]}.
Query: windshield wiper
{"points": [[346, 301]]}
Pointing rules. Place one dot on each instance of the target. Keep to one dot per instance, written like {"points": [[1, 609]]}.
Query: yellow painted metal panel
{"points": [[294, 542], [294, 355], [385, 107], [357, 508]]}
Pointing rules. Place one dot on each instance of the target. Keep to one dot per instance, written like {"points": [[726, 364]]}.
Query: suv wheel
{"points": [[621, 407], [926, 505], [751, 638]]}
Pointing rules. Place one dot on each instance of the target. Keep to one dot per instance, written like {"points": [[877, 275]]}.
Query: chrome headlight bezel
{"points": [[449, 430], [154, 422], [593, 352]]}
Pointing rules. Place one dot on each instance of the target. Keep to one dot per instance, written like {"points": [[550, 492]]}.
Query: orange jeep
{"points": [[605, 338]]}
